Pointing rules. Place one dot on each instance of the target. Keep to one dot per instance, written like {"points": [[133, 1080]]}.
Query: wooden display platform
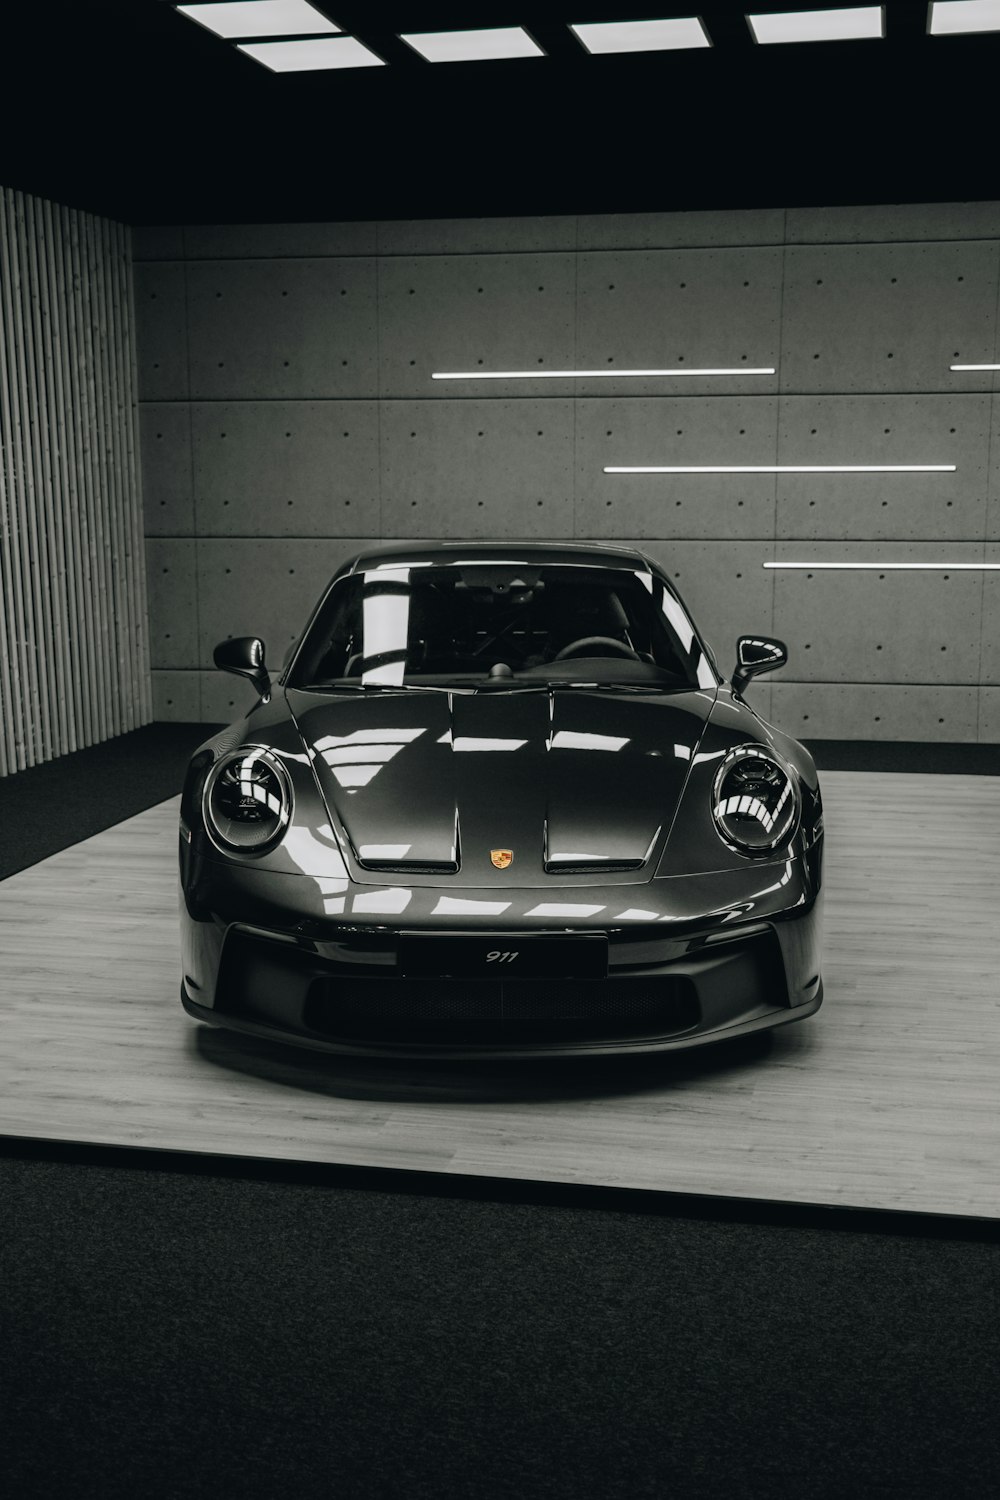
{"points": [[887, 1099]]}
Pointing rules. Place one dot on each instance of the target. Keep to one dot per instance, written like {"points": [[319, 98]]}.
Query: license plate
{"points": [[434, 956]]}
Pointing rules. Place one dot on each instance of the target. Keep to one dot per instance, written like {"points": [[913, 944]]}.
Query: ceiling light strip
{"points": [[884, 567], [590, 374], [974, 367], [958, 17], [781, 469]]}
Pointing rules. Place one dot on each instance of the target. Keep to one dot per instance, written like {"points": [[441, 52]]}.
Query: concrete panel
{"points": [[477, 468], [157, 242], [989, 715], [466, 312], [224, 697], [276, 329], [867, 626], [266, 241], [177, 697], [173, 610], [656, 309], [893, 221], [993, 492], [286, 468], [989, 664], [724, 587], [161, 331], [875, 711], [668, 231], [665, 430], [165, 451], [887, 317], [476, 236], [884, 430], [263, 588]]}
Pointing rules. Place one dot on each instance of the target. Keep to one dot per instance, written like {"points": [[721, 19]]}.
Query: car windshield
{"points": [[477, 624]]}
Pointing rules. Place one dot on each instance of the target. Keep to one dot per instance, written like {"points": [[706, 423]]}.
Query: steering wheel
{"points": [[582, 647]]}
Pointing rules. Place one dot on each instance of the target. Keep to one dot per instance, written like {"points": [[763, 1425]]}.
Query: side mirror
{"points": [[244, 655], [756, 654]]}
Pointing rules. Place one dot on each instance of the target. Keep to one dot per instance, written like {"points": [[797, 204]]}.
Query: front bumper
{"points": [[692, 961]]}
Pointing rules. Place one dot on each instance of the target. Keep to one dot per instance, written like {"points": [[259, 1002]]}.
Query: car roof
{"points": [[540, 554]]}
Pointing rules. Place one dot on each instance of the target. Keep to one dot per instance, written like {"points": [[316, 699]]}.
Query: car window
{"points": [[462, 623]]}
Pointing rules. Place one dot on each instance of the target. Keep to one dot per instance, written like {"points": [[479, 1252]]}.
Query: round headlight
{"points": [[247, 801], [755, 801]]}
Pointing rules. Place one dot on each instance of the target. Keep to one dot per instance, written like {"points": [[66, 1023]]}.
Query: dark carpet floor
{"points": [[177, 1327]]}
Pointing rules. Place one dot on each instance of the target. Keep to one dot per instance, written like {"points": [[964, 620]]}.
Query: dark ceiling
{"points": [[126, 107]]}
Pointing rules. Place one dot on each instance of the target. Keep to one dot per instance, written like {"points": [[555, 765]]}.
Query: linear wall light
{"points": [[952, 17], [309, 54], [472, 46], [843, 24], [974, 367], [589, 374], [884, 567], [642, 36], [234, 18], [782, 469]]}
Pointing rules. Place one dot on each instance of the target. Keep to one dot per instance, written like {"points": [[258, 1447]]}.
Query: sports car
{"points": [[500, 802]]}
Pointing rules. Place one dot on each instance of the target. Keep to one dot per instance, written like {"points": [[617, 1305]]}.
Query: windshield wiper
{"points": [[331, 685]]}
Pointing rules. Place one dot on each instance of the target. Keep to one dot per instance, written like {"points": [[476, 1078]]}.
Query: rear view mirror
{"points": [[756, 654], [244, 655]]}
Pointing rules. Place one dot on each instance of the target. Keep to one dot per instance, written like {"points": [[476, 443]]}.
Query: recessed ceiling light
{"points": [[590, 374], [974, 367], [884, 567], [310, 55], [845, 24], [952, 17], [473, 46], [785, 469], [260, 18], [642, 36]]}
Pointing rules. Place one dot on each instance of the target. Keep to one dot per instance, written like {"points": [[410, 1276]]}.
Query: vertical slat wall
{"points": [[74, 653]]}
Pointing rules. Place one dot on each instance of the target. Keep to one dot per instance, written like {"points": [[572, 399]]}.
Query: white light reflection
{"points": [[355, 759], [388, 902], [572, 739], [316, 852], [354, 776], [385, 628], [682, 752], [348, 754], [471, 742], [384, 851], [457, 906], [636, 914], [368, 737], [974, 367], [563, 909]]}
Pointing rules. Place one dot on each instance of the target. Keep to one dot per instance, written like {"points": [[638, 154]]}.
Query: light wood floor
{"points": [[888, 1098]]}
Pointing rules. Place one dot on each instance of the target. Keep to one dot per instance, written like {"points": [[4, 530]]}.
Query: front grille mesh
{"points": [[424, 1009]]}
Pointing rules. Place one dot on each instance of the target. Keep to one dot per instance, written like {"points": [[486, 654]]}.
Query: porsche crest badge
{"points": [[501, 857]]}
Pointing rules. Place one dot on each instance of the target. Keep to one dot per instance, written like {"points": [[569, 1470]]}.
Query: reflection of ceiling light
{"points": [[635, 914], [571, 739], [844, 24], [784, 469], [951, 17], [311, 55], [473, 46], [394, 898], [472, 742], [642, 36], [355, 775], [974, 367], [588, 374], [459, 906], [563, 909], [884, 567], [384, 851], [260, 18]]}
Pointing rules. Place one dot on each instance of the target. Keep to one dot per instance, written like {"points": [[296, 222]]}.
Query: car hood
{"points": [[426, 785]]}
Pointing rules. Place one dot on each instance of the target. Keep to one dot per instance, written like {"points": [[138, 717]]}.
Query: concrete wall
{"points": [[288, 416]]}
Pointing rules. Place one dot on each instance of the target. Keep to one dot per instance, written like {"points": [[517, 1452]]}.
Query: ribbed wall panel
{"points": [[74, 653]]}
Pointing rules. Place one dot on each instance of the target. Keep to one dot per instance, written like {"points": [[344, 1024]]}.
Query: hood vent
{"points": [[591, 866], [413, 867]]}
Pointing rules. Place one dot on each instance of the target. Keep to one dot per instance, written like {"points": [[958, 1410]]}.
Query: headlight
{"points": [[247, 801], [755, 801]]}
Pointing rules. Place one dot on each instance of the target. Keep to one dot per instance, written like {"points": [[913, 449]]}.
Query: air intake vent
{"points": [[591, 866]]}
